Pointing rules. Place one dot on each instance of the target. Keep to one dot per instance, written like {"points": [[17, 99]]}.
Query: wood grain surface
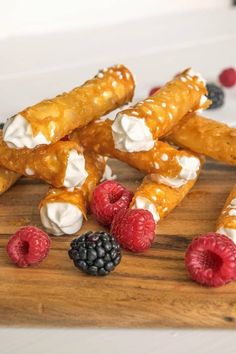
{"points": [[146, 290]]}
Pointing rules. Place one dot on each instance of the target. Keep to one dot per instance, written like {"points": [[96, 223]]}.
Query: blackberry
{"points": [[95, 253], [216, 95], [1, 125]]}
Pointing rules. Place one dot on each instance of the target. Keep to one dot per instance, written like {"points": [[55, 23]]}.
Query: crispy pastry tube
{"points": [[61, 164], [7, 179], [137, 128], [52, 119], [206, 136], [158, 198], [226, 224], [63, 211], [169, 165]]}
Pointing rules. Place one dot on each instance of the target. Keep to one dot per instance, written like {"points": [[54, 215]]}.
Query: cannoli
{"points": [[7, 179], [226, 223], [63, 211], [206, 136], [61, 164], [52, 119], [167, 164], [158, 198], [137, 128]]}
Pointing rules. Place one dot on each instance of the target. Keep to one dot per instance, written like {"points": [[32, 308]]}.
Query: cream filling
{"points": [[232, 212], [144, 203], [192, 73], [76, 173], [231, 208], [203, 98], [233, 203], [108, 174], [131, 134], [231, 233], [61, 218], [18, 134], [29, 171], [189, 169]]}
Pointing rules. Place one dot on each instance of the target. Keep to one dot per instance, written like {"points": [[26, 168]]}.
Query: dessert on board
{"points": [[66, 142]]}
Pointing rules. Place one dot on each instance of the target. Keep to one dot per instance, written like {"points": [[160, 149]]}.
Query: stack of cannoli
{"points": [[65, 142], [34, 143]]}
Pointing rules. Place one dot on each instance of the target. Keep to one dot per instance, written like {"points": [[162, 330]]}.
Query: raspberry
{"points": [[28, 246], [108, 198], [211, 259], [134, 229], [227, 77], [154, 90]]}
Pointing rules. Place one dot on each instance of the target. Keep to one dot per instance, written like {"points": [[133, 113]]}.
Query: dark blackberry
{"points": [[1, 125], [95, 253], [216, 95]]}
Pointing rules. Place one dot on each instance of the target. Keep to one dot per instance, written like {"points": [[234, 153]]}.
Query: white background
{"points": [[28, 16]]}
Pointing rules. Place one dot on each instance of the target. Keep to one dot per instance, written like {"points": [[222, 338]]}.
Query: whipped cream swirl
{"points": [[108, 174], [18, 134], [76, 173], [131, 134], [61, 218]]}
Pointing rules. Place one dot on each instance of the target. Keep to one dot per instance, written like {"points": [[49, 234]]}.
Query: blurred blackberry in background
{"points": [[216, 95]]}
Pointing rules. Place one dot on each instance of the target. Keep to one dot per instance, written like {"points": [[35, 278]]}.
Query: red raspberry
{"points": [[108, 198], [65, 138], [154, 90], [227, 77], [211, 259], [28, 246], [134, 229]]}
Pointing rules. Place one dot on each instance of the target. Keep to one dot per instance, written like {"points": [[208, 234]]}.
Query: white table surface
{"points": [[24, 16], [33, 67]]}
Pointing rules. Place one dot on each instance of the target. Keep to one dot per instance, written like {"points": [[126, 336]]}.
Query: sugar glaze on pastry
{"points": [[137, 128], [189, 169], [160, 199], [226, 223], [61, 164], [17, 133], [164, 162], [62, 210], [51, 119]]}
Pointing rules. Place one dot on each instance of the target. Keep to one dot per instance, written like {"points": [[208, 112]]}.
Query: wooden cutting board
{"points": [[146, 290]]}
